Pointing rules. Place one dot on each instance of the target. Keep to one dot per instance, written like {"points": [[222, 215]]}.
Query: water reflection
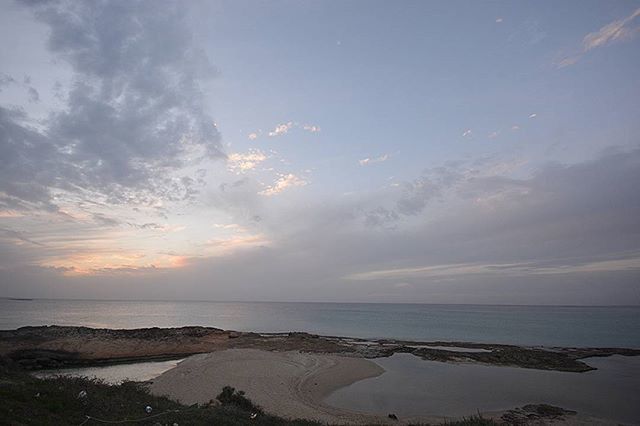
{"points": [[411, 387]]}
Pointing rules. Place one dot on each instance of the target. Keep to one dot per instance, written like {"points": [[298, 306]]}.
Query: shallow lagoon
{"points": [[413, 387], [115, 374]]}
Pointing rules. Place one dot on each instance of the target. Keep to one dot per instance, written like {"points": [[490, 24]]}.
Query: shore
{"points": [[58, 346], [287, 374]]}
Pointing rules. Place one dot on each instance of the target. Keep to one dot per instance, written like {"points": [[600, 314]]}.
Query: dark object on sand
{"points": [[392, 416]]}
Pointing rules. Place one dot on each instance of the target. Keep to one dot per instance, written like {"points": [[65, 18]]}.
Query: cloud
{"points": [[243, 162], [19, 236], [29, 164], [417, 194], [232, 227], [6, 80], [225, 245], [164, 228], [568, 61], [464, 232], [616, 31], [283, 182], [108, 262], [512, 269], [381, 217], [467, 133], [284, 128], [499, 20], [367, 161], [281, 129], [252, 136], [134, 113], [34, 96]]}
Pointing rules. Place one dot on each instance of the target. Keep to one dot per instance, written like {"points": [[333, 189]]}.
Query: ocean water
{"points": [[522, 325], [413, 387]]}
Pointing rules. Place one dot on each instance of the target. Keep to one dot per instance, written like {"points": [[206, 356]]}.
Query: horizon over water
{"points": [[546, 325]]}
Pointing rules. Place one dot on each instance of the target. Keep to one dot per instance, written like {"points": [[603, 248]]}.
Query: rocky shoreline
{"points": [[62, 346]]}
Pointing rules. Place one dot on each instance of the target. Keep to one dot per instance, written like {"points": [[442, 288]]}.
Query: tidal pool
{"points": [[115, 374], [411, 386]]}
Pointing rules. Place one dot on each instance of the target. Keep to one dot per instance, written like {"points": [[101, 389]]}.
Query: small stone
{"points": [[148, 409], [82, 394]]}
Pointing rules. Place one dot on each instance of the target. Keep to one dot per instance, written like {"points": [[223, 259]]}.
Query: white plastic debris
{"points": [[82, 394], [148, 409], [253, 415]]}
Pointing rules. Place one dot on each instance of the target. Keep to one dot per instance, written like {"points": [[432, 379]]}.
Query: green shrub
{"points": [[229, 396]]}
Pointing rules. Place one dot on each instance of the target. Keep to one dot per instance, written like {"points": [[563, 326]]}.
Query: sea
{"points": [[568, 326]]}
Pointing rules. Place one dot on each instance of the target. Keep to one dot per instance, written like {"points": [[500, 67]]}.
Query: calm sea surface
{"points": [[524, 325]]}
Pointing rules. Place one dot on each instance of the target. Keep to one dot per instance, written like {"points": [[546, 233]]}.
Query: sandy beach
{"points": [[291, 384]]}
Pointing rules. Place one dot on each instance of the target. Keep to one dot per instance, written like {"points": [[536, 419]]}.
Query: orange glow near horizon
{"points": [[104, 263]]}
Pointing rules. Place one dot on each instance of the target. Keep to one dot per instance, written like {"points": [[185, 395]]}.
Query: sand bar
{"points": [[290, 384]]}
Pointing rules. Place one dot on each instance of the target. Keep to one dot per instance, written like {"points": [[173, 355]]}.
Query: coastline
{"points": [[65, 346], [288, 374]]}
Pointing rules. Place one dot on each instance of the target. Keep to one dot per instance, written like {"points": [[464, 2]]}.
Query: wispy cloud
{"points": [[283, 182], [229, 227], [243, 162], [226, 245], [281, 129], [164, 228], [457, 269], [284, 128], [367, 161], [619, 30]]}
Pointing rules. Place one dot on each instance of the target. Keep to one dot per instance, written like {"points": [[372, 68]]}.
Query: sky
{"points": [[359, 151]]}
